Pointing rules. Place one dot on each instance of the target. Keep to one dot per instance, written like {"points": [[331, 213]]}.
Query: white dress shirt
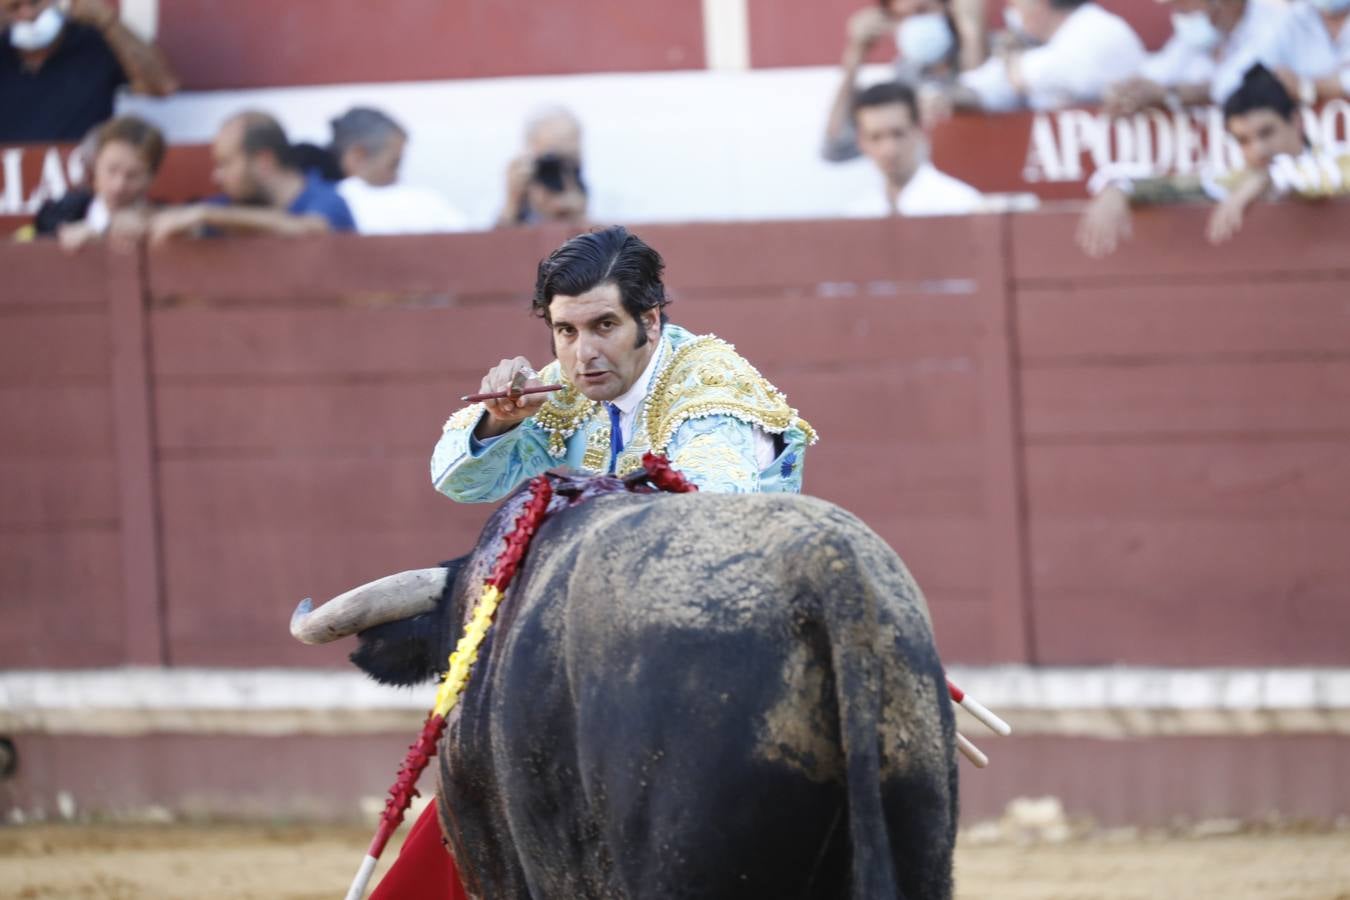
{"points": [[398, 209], [1303, 45], [1090, 50], [927, 193], [1222, 68]]}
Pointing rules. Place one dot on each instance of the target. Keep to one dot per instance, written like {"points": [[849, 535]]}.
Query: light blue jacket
{"points": [[702, 408]]}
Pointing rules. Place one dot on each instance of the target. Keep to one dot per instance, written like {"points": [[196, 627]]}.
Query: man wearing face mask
{"points": [[930, 51], [1076, 50], [1310, 51], [61, 64], [1213, 43]]}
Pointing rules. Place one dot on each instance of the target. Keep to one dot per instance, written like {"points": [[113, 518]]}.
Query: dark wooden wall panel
{"points": [[301, 420], [194, 346], [61, 590], [1182, 398], [54, 347], [1137, 460], [1251, 320], [45, 493], [1280, 242], [61, 597], [295, 415], [49, 420], [1187, 424], [356, 271], [1216, 479]]}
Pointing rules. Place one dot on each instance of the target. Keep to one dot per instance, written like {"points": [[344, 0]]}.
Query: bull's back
{"points": [[665, 693]]}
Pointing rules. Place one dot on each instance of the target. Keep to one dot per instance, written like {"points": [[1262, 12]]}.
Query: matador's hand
{"points": [[503, 415]]}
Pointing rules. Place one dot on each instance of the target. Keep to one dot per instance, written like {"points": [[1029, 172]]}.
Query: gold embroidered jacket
{"points": [[702, 408]]}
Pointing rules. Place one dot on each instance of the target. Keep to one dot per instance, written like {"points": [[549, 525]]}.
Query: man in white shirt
{"points": [[1213, 43], [886, 118], [1310, 51], [369, 146], [1079, 50]]}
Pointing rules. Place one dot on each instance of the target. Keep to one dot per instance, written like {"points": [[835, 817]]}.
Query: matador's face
{"points": [[598, 344]]}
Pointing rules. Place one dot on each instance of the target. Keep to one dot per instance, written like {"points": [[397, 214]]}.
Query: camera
{"points": [[553, 171]]}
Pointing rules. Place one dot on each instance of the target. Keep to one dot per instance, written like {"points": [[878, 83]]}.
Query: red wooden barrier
{"points": [[298, 400], [1187, 427], [1139, 460], [62, 593]]}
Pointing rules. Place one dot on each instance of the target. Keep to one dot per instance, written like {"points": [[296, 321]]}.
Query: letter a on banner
{"points": [[1044, 160]]}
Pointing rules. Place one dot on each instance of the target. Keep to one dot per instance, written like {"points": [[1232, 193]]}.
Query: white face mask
{"points": [[39, 33], [1195, 30], [1330, 7], [924, 39]]}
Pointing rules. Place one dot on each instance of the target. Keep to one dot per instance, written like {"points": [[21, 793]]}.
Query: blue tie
{"points": [[615, 435]]}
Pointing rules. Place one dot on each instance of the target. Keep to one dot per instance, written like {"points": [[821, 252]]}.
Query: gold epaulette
{"points": [[706, 377]]}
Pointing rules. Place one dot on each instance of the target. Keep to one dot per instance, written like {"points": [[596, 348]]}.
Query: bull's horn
{"points": [[387, 599]]}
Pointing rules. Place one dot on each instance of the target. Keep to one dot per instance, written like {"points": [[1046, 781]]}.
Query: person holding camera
{"points": [[545, 184]]}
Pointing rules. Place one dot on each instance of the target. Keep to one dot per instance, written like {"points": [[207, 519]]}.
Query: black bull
{"points": [[692, 695]]}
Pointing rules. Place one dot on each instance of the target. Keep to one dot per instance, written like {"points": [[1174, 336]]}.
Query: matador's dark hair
{"points": [[607, 256]]}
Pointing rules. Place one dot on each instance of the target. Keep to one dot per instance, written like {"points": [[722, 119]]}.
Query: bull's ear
{"points": [[414, 650]]}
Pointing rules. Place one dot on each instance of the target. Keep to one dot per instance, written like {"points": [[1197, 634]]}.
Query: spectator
{"points": [[1080, 50], [310, 157], [369, 148], [545, 183], [1213, 43], [1310, 51], [265, 191], [127, 154], [1265, 122], [60, 66], [886, 117], [930, 51]]}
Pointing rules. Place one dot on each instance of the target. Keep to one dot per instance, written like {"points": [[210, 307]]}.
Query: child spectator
{"points": [[127, 153]]}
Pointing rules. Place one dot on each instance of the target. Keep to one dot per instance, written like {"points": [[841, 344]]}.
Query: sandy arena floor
{"points": [[300, 863]]}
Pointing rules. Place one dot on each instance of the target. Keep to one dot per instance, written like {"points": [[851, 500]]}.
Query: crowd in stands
{"points": [[62, 62]]}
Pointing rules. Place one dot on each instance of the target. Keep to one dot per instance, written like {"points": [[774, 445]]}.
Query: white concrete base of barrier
{"points": [[1086, 702]]}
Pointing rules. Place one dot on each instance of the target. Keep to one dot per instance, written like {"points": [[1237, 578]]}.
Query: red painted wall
{"points": [[253, 43], [218, 44], [1140, 460]]}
